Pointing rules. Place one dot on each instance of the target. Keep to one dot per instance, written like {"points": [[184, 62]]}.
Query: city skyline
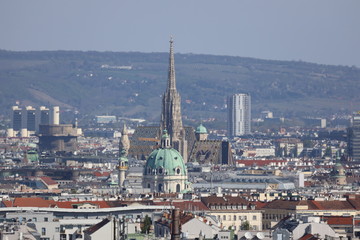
{"points": [[321, 32]]}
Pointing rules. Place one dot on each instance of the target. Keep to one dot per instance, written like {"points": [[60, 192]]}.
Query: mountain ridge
{"points": [[78, 80]]}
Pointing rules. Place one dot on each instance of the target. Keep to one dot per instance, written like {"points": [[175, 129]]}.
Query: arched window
{"points": [[177, 187], [148, 185], [160, 187], [178, 171]]}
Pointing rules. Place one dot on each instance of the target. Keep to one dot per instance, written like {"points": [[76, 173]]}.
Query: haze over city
{"points": [[323, 31], [181, 120]]}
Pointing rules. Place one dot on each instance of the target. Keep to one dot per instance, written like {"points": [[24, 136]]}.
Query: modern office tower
{"points": [[354, 138], [44, 115], [16, 118], [30, 119], [239, 119]]}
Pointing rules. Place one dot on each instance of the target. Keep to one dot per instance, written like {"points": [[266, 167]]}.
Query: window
{"points": [[43, 231], [46, 219], [234, 217], [224, 217], [34, 219], [57, 229], [254, 217]]}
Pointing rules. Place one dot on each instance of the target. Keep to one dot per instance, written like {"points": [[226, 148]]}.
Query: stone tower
{"points": [[124, 146], [171, 110]]}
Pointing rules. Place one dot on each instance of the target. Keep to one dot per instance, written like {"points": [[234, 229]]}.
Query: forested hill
{"points": [[131, 83]]}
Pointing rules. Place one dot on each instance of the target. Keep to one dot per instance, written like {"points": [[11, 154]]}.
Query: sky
{"points": [[319, 31]]}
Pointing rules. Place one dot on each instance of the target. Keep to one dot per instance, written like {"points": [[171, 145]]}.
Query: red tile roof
{"points": [[259, 204], [282, 204], [354, 200], [48, 181], [357, 222], [186, 205], [101, 174], [225, 200], [30, 202], [312, 205], [308, 237], [71, 204], [337, 220], [330, 205]]}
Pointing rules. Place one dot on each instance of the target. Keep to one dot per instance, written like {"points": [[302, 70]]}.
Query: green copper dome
{"points": [[123, 159], [201, 129], [165, 161]]}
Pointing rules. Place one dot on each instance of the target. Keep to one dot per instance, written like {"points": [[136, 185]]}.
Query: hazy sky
{"points": [[321, 31]]}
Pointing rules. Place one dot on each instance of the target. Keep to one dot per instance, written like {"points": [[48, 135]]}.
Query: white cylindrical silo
{"points": [[56, 115]]}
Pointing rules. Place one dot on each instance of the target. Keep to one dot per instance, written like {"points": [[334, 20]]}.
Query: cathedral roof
{"points": [[201, 129], [165, 161]]}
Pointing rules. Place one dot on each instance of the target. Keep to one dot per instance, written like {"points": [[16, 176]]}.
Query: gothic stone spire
{"points": [[171, 77], [171, 108]]}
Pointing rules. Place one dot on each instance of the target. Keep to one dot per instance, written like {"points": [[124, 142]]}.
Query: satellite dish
{"points": [[260, 235], [248, 235]]}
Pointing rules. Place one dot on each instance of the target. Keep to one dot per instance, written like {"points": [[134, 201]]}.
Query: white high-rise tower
{"points": [[239, 118]]}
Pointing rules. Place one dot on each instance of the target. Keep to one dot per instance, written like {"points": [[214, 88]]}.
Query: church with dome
{"points": [[165, 170], [193, 145]]}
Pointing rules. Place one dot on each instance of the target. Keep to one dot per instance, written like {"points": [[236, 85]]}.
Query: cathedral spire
{"points": [[171, 110], [171, 77]]}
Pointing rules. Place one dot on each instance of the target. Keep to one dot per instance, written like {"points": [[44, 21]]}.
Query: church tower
{"points": [[171, 110], [123, 166]]}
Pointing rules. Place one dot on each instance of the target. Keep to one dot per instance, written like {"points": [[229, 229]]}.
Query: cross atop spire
{"points": [[171, 77]]}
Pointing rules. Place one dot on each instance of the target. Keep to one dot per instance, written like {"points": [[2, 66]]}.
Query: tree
{"points": [[245, 225], [146, 225], [308, 143], [328, 152]]}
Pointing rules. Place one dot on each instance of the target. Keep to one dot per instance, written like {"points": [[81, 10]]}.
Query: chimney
{"points": [[175, 227]]}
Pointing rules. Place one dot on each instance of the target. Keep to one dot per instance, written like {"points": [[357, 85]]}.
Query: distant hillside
{"points": [[102, 83]]}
